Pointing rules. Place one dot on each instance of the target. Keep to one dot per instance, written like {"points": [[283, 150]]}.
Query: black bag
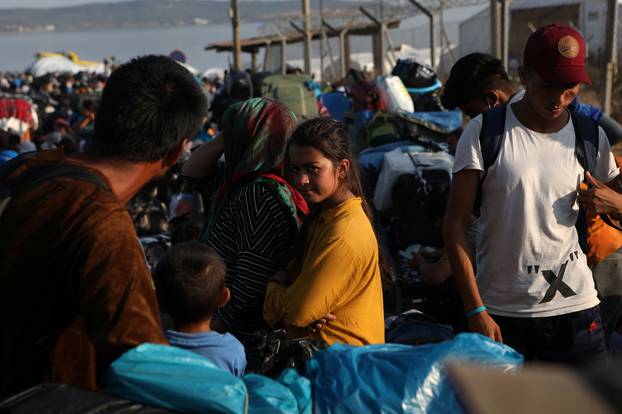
{"points": [[366, 95], [257, 79], [416, 328], [66, 399], [418, 208], [238, 84], [270, 353], [413, 74]]}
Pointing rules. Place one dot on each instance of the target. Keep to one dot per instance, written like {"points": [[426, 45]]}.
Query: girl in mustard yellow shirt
{"points": [[334, 281]]}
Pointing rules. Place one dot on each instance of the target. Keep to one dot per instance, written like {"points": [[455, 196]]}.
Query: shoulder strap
{"points": [[36, 175], [586, 140], [586, 150], [490, 140], [491, 135]]}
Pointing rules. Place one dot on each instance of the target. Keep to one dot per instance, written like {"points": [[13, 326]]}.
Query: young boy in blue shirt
{"points": [[190, 284]]}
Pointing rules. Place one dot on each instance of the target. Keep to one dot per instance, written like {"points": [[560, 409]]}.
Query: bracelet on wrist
{"points": [[475, 311]]}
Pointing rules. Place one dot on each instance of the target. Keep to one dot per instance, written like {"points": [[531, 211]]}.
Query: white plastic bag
{"points": [[398, 99]]}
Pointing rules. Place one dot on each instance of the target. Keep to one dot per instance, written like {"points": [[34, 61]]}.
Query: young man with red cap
{"points": [[534, 289]]}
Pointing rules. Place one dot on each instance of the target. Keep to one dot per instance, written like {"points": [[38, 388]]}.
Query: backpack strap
{"points": [[586, 150], [490, 140], [36, 175], [586, 140]]}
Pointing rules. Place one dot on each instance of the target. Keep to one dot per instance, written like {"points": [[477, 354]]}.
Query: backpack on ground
{"points": [[419, 201], [366, 95], [414, 74], [258, 79], [385, 128], [292, 92], [238, 84], [337, 104], [414, 327], [586, 149]]}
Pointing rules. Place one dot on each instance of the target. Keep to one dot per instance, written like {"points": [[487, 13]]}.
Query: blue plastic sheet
{"points": [[337, 104], [394, 378], [174, 378], [267, 396], [291, 393], [372, 157], [300, 387], [447, 121]]}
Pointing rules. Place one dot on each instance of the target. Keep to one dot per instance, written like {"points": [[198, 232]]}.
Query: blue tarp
{"points": [[291, 393], [177, 379], [447, 121], [394, 378], [181, 380]]}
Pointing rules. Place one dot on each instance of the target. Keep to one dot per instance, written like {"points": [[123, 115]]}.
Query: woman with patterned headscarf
{"points": [[254, 214]]}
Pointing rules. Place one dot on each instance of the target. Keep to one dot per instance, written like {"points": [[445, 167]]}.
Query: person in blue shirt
{"points": [[190, 284]]}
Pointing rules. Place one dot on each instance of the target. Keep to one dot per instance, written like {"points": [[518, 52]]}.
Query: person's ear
{"points": [[171, 158], [493, 98], [344, 168], [226, 296]]}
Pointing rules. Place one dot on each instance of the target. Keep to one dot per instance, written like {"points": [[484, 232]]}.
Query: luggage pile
{"points": [[392, 378]]}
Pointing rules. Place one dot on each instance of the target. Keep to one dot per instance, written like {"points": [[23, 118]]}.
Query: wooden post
{"points": [[283, 49], [322, 41], [266, 55], [612, 53], [235, 23], [387, 36], [348, 52], [377, 43], [495, 32], [432, 30], [344, 49], [505, 36], [306, 13], [254, 61], [330, 50]]}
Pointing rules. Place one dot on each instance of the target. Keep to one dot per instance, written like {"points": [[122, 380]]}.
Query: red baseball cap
{"points": [[557, 53]]}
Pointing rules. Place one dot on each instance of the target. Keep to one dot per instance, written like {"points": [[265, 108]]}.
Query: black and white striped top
{"points": [[254, 234]]}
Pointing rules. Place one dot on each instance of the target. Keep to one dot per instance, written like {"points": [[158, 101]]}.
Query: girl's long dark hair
{"points": [[329, 137]]}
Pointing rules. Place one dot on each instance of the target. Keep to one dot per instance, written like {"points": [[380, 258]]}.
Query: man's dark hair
{"points": [[469, 76], [190, 280], [148, 106]]}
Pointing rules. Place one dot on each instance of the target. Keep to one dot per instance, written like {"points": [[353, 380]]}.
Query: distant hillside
{"points": [[147, 13]]}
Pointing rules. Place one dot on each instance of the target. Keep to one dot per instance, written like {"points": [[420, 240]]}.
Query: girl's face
{"points": [[314, 175]]}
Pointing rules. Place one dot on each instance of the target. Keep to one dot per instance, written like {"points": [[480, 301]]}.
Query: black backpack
{"points": [[586, 150], [418, 205], [414, 74]]}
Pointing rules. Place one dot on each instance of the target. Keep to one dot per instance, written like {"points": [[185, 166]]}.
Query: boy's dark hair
{"points": [[190, 280], [469, 76], [148, 106]]}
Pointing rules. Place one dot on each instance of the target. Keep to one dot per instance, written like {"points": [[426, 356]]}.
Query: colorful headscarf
{"points": [[255, 135]]}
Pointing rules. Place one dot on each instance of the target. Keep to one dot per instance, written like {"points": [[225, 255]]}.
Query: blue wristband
{"points": [[475, 311]]}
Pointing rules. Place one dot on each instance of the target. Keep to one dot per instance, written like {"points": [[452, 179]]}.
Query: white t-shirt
{"points": [[529, 262]]}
